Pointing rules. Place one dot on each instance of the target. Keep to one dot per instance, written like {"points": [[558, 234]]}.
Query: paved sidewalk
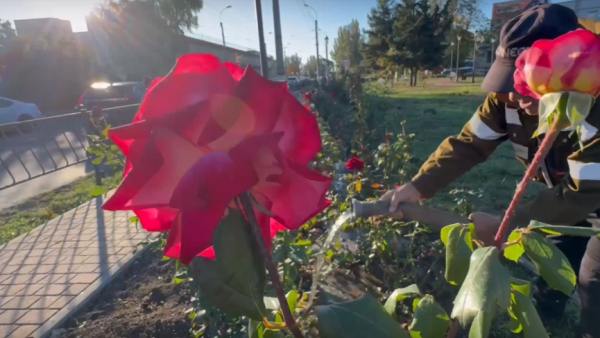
{"points": [[49, 273]]}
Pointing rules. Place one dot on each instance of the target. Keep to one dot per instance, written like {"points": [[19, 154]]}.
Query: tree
{"points": [[294, 64], [310, 67], [6, 34], [49, 71], [420, 34], [145, 37], [348, 44], [376, 50]]}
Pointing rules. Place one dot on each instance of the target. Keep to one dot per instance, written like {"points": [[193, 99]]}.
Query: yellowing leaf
{"points": [[358, 186], [376, 186]]}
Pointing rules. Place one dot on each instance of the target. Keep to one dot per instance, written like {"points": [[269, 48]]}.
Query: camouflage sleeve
{"points": [[484, 132], [578, 194]]}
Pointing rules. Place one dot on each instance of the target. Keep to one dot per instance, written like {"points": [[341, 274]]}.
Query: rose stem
{"points": [[453, 329], [551, 136], [290, 322]]}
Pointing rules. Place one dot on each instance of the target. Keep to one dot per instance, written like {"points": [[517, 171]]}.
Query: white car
{"points": [[17, 111]]}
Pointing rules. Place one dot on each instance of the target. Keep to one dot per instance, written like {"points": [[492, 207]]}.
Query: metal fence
{"points": [[31, 149]]}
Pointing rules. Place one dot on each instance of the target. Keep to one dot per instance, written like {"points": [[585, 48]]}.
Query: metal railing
{"points": [[34, 148]]}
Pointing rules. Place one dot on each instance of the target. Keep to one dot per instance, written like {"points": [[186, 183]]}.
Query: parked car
{"points": [[17, 111], [107, 95]]}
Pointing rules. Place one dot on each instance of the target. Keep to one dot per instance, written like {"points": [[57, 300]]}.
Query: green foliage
{"points": [[552, 264], [361, 318], [458, 240], [145, 30], [235, 281], [399, 295], [431, 320], [294, 64], [485, 289], [420, 30], [348, 44]]}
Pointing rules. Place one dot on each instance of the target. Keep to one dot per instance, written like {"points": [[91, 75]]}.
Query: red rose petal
{"points": [[156, 220], [215, 178]]}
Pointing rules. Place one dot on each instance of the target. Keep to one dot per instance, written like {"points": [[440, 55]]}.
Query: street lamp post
{"points": [[457, 56], [451, 56], [221, 22], [493, 51], [474, 56], [326, 59], [316, 36]]}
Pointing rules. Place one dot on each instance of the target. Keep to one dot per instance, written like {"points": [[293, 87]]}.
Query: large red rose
{"points": [[207, 132]]}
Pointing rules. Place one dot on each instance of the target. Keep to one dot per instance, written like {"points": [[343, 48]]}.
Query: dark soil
{"points": [[142, 303]]}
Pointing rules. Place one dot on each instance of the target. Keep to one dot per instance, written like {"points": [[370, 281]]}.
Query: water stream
{"points": [[333, 234]]}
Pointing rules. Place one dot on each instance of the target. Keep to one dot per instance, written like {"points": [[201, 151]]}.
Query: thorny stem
{"points": [[551, 136], [290, 322], [453, 329]]}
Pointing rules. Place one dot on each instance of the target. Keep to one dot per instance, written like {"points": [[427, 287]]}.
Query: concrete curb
{"points": [[90, 292]]}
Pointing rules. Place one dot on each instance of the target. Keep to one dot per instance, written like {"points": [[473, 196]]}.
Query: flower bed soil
{"points": [[142, 303]]}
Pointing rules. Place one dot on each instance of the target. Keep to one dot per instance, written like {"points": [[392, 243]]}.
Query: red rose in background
{"points": [[207, 132], [333, 95], [355, 163], [308, 96]]}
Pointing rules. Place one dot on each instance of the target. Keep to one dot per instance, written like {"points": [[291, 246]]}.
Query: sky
{"points": [[239, 21]]}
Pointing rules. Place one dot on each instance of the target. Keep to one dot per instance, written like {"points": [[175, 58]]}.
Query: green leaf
{"points": [[520, 285], [98, 159], [430, 320], [98, 191], [486, 287], [235, 281], [550, 262], [134, 219], [459, 247], [303, 242], [292, 300], [415, 304], [514, 251], [514, 325], [360, 318], [564, 229], [257, 329], [482, 323], [399, 295], [528, 317]]}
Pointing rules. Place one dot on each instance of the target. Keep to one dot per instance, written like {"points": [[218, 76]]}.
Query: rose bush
{"points": [[206, 133]]}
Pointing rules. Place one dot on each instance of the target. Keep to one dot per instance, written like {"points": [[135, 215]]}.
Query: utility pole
{"points": [[264, 69], [474, 55], [221, 22], [451, 56], [326, 58], [317, 40], [493, 51], [316, 37], [457, 57], [278, 41]]}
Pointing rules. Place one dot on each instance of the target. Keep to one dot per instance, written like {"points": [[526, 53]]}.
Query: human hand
{"points": [[486, 226], [404, 194]]}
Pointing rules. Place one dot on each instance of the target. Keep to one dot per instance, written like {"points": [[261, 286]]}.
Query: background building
{"points": [[46, 27], [504, 11], [585, 9]]}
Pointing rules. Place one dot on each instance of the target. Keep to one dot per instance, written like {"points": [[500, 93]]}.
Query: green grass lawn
{"points": [[36, 211], [437, 109]]}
